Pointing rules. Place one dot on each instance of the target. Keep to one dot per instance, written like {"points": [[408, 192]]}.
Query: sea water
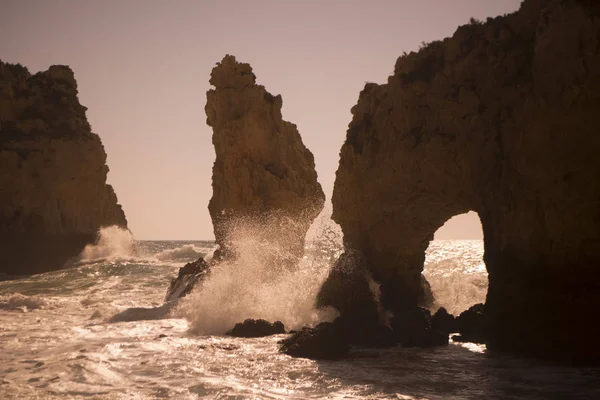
{"points": [[99, 330]]}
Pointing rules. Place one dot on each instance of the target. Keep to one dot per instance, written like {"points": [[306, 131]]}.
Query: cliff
{"points": [[502, 119], [53, 191], [264, 179]]}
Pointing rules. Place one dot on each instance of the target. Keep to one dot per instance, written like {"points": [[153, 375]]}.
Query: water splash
{"points": [[113, 243], [253, 286]]}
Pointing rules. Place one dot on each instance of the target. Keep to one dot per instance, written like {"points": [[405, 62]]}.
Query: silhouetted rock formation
{"points": [[471, 325], [264, 179], [501, 118], [444, 322], [256, 328], [187, 278], [53, 191]]}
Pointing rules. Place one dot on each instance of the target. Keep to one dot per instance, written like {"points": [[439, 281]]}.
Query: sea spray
{"points": [[113, 242], [252, 286]]}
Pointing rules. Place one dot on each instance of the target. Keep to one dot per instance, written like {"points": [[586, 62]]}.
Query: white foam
{"points": [[252, 287], [113, 243], [184, 253], [22, 303]]}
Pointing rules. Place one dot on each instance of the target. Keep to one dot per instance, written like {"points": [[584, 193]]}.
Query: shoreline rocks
{"points": [[52, 172]]}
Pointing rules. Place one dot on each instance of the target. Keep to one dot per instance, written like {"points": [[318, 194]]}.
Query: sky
{"points": [[142, 68]]}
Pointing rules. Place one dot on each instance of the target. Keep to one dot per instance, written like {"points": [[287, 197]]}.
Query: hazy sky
{"points": [[143, 67]]}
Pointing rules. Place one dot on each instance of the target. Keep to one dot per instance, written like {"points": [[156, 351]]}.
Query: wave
{"points": [[185, 253], [114, 243], [252, 287], [22, 303]]}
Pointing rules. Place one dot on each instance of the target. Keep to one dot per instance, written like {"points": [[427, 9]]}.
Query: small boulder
{"points": [[443, 321], [186, 279], [256, 328], [471, 325], [324, 342]]}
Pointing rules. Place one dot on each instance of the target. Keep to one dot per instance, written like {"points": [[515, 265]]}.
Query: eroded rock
{"points": [[501, 119], [53, 192], [264, 181]]}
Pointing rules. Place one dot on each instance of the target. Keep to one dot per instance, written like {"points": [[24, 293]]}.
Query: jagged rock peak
{"points": [[231, 74]]}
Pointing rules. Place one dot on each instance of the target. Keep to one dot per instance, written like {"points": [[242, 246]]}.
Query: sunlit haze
{"points": [[143, 67]]}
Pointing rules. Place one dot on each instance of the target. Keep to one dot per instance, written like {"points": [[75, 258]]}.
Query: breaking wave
{"points": [[251, 286], [185, 253]]}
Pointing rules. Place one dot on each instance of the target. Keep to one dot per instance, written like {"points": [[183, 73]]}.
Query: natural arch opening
{"points": [[454, 265]]}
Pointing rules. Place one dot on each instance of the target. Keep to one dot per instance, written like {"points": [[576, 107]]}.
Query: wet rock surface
{"points": [[324, 342], [54, 197], [188, 276], [256, 328]]}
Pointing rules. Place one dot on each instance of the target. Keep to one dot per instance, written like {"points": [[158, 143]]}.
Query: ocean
{"points": [[99, 330]]}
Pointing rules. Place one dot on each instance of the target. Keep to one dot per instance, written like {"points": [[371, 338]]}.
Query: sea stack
{"points": [[53, 192], [502, 119], [264, 181]]}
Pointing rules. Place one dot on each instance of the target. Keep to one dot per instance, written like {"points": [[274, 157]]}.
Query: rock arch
{"points": [[502, 119]]}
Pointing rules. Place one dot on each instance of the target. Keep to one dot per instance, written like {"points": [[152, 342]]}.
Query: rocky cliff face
{"points": [[501, 118], [53, 191], [264, 180]]}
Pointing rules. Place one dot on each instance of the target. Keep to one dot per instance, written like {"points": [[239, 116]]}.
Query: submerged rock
{"points": [[54, 197], [324, 342], [501, 119], [256, 328], [264, 180], [187, 278]]}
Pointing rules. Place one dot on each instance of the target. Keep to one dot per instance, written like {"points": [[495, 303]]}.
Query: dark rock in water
{"points": [[443, 321], [349, 289], [186, 279], [324, 342], [256, 328], [471, 325], [412, 328]]}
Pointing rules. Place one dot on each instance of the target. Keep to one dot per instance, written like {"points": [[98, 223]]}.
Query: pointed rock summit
{"points": [[264, 181], [53, 192]]}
